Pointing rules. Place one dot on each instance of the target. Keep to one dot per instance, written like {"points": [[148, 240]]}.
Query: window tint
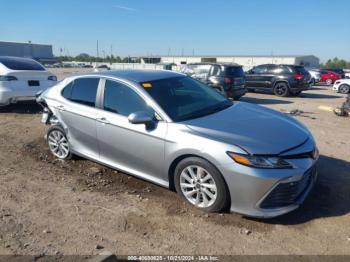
{"points": [[83, 91], [21, 64], [121, 99], [67, 91], [260, 69], [215, 71], [236, 71]]}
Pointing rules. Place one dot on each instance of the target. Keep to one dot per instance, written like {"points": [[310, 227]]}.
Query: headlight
{"points": [[259, 161]]}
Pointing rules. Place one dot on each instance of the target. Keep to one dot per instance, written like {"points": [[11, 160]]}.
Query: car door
{"points": [[133, 148], [256, 76], [77, 113]]}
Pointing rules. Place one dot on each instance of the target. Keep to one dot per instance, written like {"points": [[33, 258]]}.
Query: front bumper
{"points": [[253, 191]]}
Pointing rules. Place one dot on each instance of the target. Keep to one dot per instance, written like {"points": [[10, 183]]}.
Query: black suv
{"points": [[228, 79], [282, 80]]}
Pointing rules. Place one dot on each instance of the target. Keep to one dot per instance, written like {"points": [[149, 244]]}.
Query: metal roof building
{"points": [[247, 61], [39, 52]]}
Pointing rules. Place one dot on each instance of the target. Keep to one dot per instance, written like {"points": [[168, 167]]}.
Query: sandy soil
{"points": [[74, 207]]}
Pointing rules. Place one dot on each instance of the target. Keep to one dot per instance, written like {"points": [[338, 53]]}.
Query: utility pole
{"points": [[98, 53]]}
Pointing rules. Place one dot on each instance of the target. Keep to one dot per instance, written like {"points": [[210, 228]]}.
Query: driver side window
{"points": [[122, 100]]}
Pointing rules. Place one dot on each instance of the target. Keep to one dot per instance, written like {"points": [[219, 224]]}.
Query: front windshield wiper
{"points": [[207, 111]]}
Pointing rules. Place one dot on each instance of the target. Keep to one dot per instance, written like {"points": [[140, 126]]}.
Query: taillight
{"points": [[52, 78], [8, 78], [227, 80], [298, 76]]}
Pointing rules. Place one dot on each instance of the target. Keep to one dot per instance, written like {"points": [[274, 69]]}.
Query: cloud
{"points": [[125, 8]]}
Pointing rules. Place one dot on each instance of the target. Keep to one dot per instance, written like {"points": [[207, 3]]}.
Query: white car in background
{"points": [[21, 79], [342, 86]]}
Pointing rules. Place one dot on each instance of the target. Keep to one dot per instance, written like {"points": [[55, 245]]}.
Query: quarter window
{"points": [[121, 99], [82, 91]]}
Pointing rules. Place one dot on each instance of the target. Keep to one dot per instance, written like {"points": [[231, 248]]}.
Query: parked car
{"points": [[347, 73], [329, 77], [339, 71], [315, 76], [177, 132], [342, 86], [102, 68], [282, 80], [21, 79], [227, 78]]}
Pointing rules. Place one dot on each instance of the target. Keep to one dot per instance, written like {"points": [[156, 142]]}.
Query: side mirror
{"points": [[141, 117]]}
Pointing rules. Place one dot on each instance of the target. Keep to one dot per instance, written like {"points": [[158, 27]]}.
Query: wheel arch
{"points": [[177, 160], [277, 81]]}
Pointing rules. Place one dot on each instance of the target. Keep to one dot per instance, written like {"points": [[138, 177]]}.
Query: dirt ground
{"points": [[77, 207]]}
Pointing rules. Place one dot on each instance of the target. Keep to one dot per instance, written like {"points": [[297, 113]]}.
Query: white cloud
{"points": [[125, 8]]}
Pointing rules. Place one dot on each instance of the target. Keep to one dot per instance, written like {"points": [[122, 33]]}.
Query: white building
{"points": [[246, 61]]}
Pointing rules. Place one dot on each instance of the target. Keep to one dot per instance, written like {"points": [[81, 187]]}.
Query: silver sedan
{"points": [[174, 131]]}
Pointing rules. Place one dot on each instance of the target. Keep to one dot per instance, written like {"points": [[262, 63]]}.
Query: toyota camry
{"points": [[176, 132]]}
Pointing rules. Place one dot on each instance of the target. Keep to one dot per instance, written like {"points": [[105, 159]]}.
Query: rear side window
{"points": [[262, 69], [236, 71], [121, 99], [21, 64], [82, 91]]}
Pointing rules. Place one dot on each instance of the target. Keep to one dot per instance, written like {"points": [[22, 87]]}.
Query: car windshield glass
{"points": [[21, 64], [236, 71], [184, 98]]}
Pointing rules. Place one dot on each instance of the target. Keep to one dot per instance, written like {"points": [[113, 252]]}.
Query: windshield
{"points": [[184, 98]]}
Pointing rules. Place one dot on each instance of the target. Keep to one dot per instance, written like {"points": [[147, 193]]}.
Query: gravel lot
{"points": [[78, 207]]}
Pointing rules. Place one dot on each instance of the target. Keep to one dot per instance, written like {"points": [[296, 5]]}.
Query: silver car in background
{"points": [[315, 76], [177, 132]]}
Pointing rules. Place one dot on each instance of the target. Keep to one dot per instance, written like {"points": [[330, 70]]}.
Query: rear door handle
{"points": [[103, 120]]}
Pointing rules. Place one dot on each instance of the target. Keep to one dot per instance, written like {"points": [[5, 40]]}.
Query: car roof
{"points": [[4, 59], [137, 75]]}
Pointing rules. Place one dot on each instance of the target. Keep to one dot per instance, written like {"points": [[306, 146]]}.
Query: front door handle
{"points": [[103, 120], [61, 108]]}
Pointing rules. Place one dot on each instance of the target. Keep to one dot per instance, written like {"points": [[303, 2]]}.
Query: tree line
{"points": [[336, 63], [93, 59]]}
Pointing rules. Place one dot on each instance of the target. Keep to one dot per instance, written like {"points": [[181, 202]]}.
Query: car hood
{"points": [[256, 129]]}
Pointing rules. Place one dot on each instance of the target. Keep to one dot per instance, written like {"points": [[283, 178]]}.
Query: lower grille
{"points": [[286, 194]]}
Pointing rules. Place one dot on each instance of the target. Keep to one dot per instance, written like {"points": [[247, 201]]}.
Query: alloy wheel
{"points": [[198, 186], [281, 89], [58, 144], [329, 81], [344, 89]]}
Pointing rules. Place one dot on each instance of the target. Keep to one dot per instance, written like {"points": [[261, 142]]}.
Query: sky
{"points": [[200, 27]]}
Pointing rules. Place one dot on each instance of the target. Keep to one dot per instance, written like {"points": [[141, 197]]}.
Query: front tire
{"points": [[201, 184], [58, 143], [344, 89], [281, 89]]}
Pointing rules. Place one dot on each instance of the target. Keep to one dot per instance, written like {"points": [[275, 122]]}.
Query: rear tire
{"points": [[58, 143], [329, 82], [281, 89], [201, 184], [344, 89]]}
